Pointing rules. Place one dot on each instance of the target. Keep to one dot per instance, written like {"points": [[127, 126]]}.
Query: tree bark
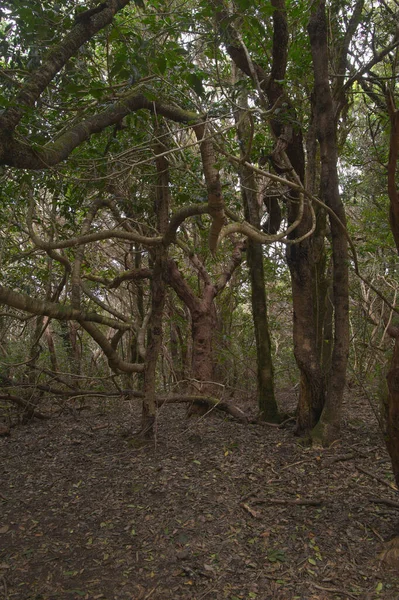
{"points": [[392, 412], [392, 402], [203, 326], [202, 311], [158, 296], [329, 424], [268, 410]]}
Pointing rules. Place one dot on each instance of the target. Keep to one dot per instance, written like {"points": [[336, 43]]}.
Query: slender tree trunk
{"points": [[34, 353], [158, 296], [268, 410], [392, 402], [176, 374], [51, 346]]}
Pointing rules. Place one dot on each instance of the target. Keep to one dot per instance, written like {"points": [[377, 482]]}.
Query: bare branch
{"points": [[61, 312], [114, 361]]}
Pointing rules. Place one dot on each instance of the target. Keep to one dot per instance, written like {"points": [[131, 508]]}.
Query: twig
{"points": [[333, 589], [290, 501], [250, 510], [299, 462], [250, 495], [278, 425], [99, 427]]}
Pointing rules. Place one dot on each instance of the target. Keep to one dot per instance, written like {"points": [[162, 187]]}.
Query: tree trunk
{"points": [[329, 424], [158, 296], [203, 326], [34, 353], [392, 407], [268, 410], [392, 412], [48, 333], [289, 139]]}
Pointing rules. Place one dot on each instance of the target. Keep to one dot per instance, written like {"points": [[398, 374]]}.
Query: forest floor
{"points": [[207, 511]]}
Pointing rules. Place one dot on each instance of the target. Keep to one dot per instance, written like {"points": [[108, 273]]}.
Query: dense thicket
{"points": [[197, 202]]}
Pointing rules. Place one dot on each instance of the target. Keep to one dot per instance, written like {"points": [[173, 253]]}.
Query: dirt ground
{"points": [[211, 510]]}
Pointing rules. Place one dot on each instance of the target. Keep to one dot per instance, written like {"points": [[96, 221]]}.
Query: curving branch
{"points": [[234, 263], [176, 281], [212, 178], [179, 217], [132, 275], [371, 63], [114, 361], [103, 305], [61, 312], [93, 237], [16, 153]]}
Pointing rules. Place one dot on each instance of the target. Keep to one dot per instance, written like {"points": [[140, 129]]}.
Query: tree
{"points": [[132, 126]]}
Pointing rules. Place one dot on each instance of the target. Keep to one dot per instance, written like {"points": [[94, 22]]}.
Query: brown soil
{"points": [[87, 513]]}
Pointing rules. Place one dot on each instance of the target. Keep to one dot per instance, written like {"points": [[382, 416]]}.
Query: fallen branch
{"points": [[392, 486], [385, 501], [298, 462], [207, 401], [99, 427], [340, 458], [24, 404]]}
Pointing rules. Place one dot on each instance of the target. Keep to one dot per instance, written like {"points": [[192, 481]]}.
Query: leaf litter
{"points": [[211, 509]]}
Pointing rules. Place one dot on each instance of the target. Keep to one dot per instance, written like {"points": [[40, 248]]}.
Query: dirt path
{"points": [[200, 514]]}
